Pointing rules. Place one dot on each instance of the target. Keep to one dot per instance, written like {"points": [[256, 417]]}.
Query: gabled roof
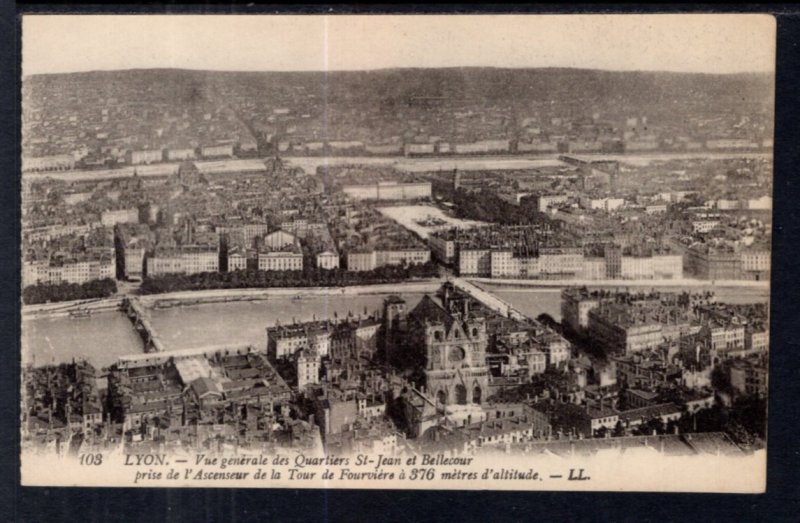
{"points": [[205, 386], [428, 309]]}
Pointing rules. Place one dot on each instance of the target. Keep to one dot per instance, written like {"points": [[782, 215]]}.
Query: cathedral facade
{"points": [[456, 371], [444, 346]]}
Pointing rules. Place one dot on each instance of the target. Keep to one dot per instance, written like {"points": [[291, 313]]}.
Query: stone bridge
{"points": [[495, 303], [140, 318]]}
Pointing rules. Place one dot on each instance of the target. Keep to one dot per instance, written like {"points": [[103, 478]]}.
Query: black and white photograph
{"points": [[468, 252]]}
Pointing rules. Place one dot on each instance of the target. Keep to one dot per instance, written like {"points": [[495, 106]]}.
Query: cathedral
{"points": [[442, 345]]}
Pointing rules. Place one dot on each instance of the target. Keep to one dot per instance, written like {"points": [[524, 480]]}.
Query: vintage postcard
{"points": [[501, 252]]}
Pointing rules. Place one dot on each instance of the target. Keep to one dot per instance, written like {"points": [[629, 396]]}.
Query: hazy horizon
{"points": [[696, 43]]}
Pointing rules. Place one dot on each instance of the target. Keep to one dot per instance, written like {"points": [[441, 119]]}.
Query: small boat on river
{"points": [[80, 313]]}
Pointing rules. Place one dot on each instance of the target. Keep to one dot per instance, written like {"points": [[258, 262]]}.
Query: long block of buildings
{"points": [[74, 257], [72, 270], [627, 324], [183, 260], [520, 256], [726, 263], [372, 259]]}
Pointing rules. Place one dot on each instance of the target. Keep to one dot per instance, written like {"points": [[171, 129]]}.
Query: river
{"points": [[104, 337], [245, 322], [423, 164], [535, 301], [100, 339]]}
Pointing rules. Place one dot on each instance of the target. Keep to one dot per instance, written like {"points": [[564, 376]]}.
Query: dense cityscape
{"points": [[634, 196]]}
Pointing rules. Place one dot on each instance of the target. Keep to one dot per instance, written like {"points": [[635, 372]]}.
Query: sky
{"points": [[727, 43]]}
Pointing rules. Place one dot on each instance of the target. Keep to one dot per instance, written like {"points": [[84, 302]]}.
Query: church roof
{"points": [[430, 310]]}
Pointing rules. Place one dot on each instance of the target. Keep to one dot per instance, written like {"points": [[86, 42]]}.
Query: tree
{"points": [[720, 378], [43, 293], [309, 277]]}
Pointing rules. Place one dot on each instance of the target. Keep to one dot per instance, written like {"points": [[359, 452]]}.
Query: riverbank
{"points": [[230, 295], [64, 308], [414, 164], [210, 296], [683, 282], [422, 286]]}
